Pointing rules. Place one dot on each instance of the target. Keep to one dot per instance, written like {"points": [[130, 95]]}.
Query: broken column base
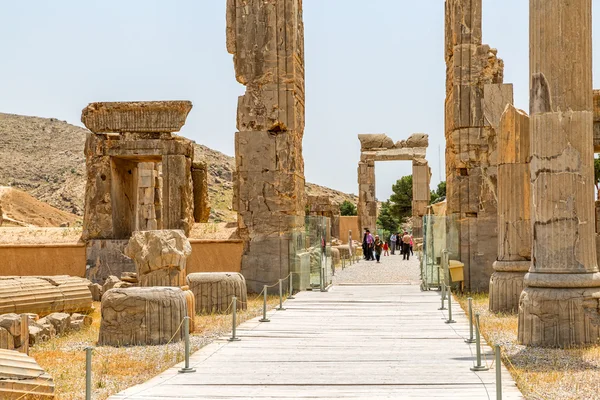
{"points": [[506, 285], [555, 317]]}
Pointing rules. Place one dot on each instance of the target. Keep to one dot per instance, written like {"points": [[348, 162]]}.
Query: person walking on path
{"points": [[378, 245], [393, 242], [399, 243], [364, 244], [386, 249], [370, 245], [412, 242], [406, 246]]}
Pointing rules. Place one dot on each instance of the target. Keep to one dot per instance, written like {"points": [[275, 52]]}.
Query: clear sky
{"points": [[372, 66]]}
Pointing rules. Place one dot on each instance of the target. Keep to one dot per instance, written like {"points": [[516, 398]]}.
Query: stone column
{"points": [[200, 181], [559, 305], [421, 174], [266, 39], [470, 140], [514, 211], [367, 203]]}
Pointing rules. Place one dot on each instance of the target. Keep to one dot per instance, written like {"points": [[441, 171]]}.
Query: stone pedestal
{"points": [[214, 291], [559, 305]]}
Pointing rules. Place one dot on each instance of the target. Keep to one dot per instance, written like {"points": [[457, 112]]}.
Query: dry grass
{"points": [[115, 369], [539, 373]]}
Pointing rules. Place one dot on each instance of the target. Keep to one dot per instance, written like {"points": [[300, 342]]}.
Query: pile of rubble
{"points": [[127, 280]]}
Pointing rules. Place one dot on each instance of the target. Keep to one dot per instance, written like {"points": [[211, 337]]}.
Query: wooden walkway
{"points": [[355, 342]]}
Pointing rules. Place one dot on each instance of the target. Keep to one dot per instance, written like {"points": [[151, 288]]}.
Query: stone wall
{"points": [[200, 182], [266, 39], [324, 206], [32, 260]]}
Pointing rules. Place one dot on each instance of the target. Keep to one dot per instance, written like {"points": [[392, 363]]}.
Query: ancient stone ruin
{"points": [[159, 256], [20, 375], [475, 100], [214, 291], [201, 202], [139, 177], [142, 316], [324, 206], [559, 305], [266, 39], [379, 147], [514, 211]]}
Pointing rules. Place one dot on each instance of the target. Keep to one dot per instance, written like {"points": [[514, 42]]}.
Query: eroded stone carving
{"points": [[559, 305], [266, 39], [200, 180], [214, 291], [138, 177], [160, 257], [324, 206], [142, 316]]}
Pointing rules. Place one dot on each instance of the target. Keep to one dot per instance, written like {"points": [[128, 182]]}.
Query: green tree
{"points": [[348, 209], [439, 194], [401, 198], [597, 174], [386, 220]]}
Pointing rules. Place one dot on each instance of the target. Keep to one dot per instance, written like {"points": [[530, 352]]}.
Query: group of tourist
{"points": [[374, 246]]}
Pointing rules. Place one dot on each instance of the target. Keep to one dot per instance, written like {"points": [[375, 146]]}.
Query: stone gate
{"points": [[379, 147]]}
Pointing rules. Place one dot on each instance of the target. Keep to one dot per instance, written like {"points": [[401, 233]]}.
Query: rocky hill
{"points": [[44, 157]]}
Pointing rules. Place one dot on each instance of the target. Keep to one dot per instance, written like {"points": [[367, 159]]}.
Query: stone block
{"points": [[200, 182], [160, 257], [105, 258], [20, 374], [60, 321], [495, 99], [144, 116], [142, 316], [213, 291], [371, 141], [96, 291], [109, 283]]}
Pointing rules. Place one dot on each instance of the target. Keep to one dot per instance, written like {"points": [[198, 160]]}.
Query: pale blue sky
{"points": [[371, 66]]}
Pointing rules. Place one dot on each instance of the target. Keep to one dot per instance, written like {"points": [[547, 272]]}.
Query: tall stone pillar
{"points": [[367, 203], [514, 211], [421, 174], [559, 305], [470, 140], [266, 38]]}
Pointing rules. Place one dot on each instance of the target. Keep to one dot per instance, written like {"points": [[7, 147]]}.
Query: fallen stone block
{"points": [[142, 316], [109, 283], [60, 321], [21, 376], [44, 295], [78, 321], [214, 291], [96, 290]]}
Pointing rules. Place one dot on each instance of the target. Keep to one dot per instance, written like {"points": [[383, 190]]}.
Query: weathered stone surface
{"points": [[105, 258], [44, 295], [60, 321], [160, 257], [417, 140], [559, 306], [142, 316], [20, 374], [78, 321], [96, 290], [142, 116], [40, 331], [214, 290], [324, 206], [109, 283], [130, 277], [200, 181], [267, 43], [596, 122], [506, 285], [475, 100], [375, 141]]}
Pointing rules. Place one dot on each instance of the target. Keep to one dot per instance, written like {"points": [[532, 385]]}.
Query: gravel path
{"points": [[391, 269]]}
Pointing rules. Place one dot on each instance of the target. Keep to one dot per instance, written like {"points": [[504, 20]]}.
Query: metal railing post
{"points": [[450, 320], [233, 337], [471, 339], [88, 373], [443, 307], [498, 374], [264, 317], [186, 334], [280, 308], [291, 296], [478, 367]]}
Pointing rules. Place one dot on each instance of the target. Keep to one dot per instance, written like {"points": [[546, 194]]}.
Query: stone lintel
{"points": [[136, 117], [404, 154]]}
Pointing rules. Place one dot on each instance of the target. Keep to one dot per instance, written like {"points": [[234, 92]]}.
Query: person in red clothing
{"points": [[386, 249]]}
